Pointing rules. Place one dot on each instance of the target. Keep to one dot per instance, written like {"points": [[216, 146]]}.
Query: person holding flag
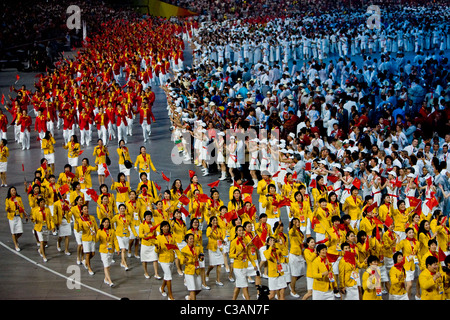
{"points": [[15, 212], [324, 283], [297, 264], [240, 255], [148, 254], [371, 280], [352, 206], [397, 276], [106, 236], [143, 161], [191, 256], [165, 246], [88, 227], [348, 274], [43, 223], [4, 154], [83, 175]]}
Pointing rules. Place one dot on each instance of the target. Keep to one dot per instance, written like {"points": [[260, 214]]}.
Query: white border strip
{"points": [[58, 274]]}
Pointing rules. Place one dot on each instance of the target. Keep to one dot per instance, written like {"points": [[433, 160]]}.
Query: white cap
{"points": [[348, 169], [392, 173], [221, 133], [411, 175]]}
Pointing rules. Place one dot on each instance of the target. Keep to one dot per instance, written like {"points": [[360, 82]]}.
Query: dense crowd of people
{"points": [[339, 168]]}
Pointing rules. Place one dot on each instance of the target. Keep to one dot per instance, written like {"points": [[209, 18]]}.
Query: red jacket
{"points": [[25, 123], [84, 121], [40, 124], [121, 117], [98, 120], [145, 113]]}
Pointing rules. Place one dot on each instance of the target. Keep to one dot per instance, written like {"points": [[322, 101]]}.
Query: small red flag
{"points": [[247, 189], [184, 211], [294, 175], [388, 221], [191, 173], [313, 184], [258, 242], [332, 178], [231, 215], [3, 99], [308, 166], [214, 184], [17, 77], [165, 177], [183, 199], [92, 194], [23, 167], [432, 203], [122, 189], [64, 188], [357, 183], [157, 186], [276, 174], [203, 197]]}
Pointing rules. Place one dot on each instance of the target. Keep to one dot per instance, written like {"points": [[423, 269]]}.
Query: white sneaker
{"points": [[219, 283], [164, 294], [295, 295], [205, 287]]}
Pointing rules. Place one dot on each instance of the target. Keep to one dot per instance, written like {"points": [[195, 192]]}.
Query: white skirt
{"points": [[231, 163], [123, 242], [319, 295], [398, 297], [106, 259], [167, 270], [78, 238], [352, 293], [215, 257], [193, 282], [16, 225], [220, 158], [65, 229], [73, 162], [88, 246], [276, 283], [241, 277], [124, 169], [50, 158], [297, 265], [3, 166], [43, 235], [148, 254]]}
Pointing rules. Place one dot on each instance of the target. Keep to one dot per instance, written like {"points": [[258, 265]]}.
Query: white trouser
{"points": [[25, 139], [122, 132], [146, 130]]}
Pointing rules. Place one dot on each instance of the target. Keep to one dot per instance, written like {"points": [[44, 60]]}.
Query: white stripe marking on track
{"points": [[57, 273]]}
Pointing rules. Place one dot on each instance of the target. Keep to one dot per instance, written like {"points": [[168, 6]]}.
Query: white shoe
{"points": [[67, 253], [295, 295], [219, 283], [45, 259], [162, 292], [231, 279], [205, 287], [146, 276], [206, 173], [417, 298], [91, 273], [187, 298]]}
